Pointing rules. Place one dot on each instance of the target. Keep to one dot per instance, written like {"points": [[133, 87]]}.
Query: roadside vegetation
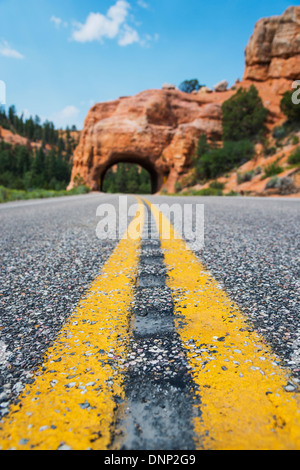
{"points": [[42, 168], [272, 170], [294, 158], [291, 110], [8, 195], [25, 169], [243, 124], [286, 132]]}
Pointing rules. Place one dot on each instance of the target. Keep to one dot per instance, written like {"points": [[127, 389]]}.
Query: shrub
{"points": [[243, 177], [206, 192], [270, 151], [232, 193], [178, 187], [257, 170], [272, 170], [294, 158], [202, 147], [216, 161], [78, 181], [7, 194], [217, 185], [210, 192], [291, 110], [272, 183], [244, 115], [279, 132], [284, 185], [83, 189]]}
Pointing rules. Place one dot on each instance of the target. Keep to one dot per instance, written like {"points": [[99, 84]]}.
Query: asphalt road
{"points": [[49, 257]]}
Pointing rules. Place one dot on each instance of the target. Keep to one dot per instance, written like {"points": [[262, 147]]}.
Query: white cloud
{"points": [[148, 39], [8, 51], [112, 25], [142, 4], [69, 112], [128, 36], [115, 24], [58, 22], [66, 117]]}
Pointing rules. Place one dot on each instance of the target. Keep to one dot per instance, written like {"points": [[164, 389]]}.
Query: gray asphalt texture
{"points": [[252, 247], [49, 254]]}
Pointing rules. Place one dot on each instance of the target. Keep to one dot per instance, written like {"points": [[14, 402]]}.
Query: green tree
{"points": [[244, 115], [202, 146], [29, 128], [128, 178], [291, 110], [49, 169], [12, 114], [144, 182], [120, 178], [187, 86], [132, 185], [216, 161], [23, 160], [37, 169]]}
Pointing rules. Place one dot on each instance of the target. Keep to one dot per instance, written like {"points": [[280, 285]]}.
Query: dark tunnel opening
{"points": [[129, 175]]}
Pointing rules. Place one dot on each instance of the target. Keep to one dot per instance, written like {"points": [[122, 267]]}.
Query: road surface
{"points": [[149, 342]]}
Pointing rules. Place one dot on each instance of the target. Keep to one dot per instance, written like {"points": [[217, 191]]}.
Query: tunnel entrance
{"points": [[129, 176]]}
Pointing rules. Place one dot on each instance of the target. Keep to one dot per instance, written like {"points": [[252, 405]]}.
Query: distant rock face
{"points": [[273, 51], [157, 129], [168, 86], [221, 86], [17, 140]]}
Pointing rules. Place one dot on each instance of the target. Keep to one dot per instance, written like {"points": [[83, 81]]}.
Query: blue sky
{"points": [[59, 57]]}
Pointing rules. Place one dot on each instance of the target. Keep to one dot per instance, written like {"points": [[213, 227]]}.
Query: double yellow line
{"points": [[72, 403]]}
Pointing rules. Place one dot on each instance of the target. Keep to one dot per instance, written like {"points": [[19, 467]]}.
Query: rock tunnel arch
{"points": [[156, 129], [157, 178]]}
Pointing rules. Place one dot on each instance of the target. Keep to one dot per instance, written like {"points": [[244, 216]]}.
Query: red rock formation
{"points": [[159, 129], [273, 52], [17, 140]]}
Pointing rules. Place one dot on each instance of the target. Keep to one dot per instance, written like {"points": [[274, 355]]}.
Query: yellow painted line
{"points": [[72, 401], [244, 403]]}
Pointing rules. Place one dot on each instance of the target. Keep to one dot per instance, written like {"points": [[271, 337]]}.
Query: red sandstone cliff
{"points": [[273, 52], [156, 128]]}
